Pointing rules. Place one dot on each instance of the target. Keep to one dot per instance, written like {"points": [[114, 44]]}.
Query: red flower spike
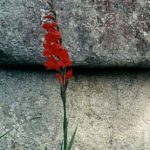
{"points": [[57, 56], [57, 59], [60, 78], [69, 74]]}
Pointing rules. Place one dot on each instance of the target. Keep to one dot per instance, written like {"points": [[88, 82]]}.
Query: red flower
{"points": [[64, 62], [64, 54], [54, 49], [60, 78], [57, 47], [64, 59], [49, 17], [68, 74], [52, 64], [47, 45], [50, 26], [52, 37], [46, 52]]}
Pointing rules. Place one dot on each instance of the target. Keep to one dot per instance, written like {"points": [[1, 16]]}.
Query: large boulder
{"points": [[111, 110], [99, 33]]}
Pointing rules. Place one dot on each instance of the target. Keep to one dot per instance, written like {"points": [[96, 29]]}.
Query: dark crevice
{"points": [[77, 69]]}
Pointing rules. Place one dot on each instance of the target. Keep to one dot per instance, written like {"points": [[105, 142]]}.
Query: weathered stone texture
{"points": [[111, 110], [97, 32]]}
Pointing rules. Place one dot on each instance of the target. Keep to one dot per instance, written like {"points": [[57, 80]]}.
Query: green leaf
{"points": [[5, 133], [37, 117], [72, 139], [61, 145]]}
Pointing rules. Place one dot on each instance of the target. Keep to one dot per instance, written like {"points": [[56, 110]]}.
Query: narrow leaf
{"points": [[72, 139], [37, 117], [5, 133], [61, 145]]}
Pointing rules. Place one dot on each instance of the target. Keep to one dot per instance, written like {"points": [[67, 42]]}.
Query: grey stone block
{"points": [[96, 33], [110, 108]]}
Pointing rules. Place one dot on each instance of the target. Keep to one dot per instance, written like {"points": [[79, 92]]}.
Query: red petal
{"points": [[57, 46], [46, 52], [69, 74], [64, 59], [45, 45], [50, 26], [49, 17], [64, 63], [60, 78], [64, 54], [56, 49], [52, 64], [52, 37]]}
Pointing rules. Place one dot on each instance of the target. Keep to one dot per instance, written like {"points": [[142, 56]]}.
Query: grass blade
{"points": [[1, 136], [61, 145], [72, 139], [5, 133]]}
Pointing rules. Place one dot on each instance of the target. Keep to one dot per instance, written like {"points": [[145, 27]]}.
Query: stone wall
{"points": [[99, 33], [111, 107]]}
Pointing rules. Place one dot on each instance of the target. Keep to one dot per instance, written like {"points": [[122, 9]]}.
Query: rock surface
{"points": [[112, 110], [100, 33]]}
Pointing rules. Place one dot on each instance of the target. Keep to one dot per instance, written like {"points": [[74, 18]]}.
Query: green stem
{"points": [[63, 96]]}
